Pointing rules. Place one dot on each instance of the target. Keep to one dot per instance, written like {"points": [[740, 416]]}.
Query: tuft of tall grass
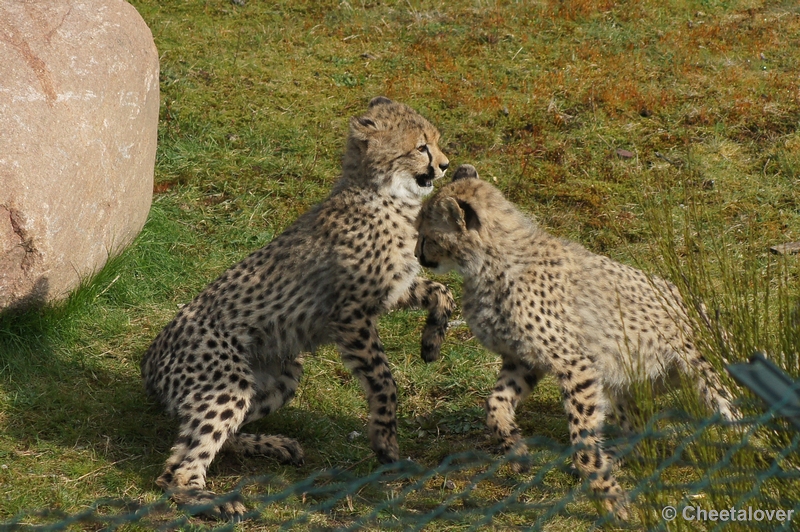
{"points": [[750, 297]]}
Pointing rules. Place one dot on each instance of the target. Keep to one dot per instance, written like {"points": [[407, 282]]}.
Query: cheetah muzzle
{"points": [[424, 181], [234, 354]]}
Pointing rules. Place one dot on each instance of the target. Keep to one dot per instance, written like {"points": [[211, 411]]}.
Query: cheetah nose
{"points": [[444, 166]]}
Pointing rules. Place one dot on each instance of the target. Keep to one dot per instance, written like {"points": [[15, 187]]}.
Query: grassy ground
{"points": [[664, 134]]}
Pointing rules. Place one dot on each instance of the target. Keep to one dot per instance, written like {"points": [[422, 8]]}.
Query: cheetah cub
{"points": [[547, 305], [232, 355]]}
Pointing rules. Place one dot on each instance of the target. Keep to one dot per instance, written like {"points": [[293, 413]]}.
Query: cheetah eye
{"points": [[423, 148]]}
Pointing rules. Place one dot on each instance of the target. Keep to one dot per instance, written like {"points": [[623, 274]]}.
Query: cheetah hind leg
{"points": [[213, 425], [274, 392], [715, 394], [203, 432], [281, 448], [628, 418]]}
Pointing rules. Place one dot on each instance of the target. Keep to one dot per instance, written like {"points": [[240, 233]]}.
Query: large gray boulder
{"points": [[78, 126]]}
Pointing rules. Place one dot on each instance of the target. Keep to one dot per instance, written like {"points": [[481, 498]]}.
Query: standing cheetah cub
{"points": [[232, 355], [550, 306]]}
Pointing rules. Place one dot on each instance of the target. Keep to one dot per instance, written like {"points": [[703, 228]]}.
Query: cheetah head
{"points": [[393, 149], [448, 226], [460, 226]]}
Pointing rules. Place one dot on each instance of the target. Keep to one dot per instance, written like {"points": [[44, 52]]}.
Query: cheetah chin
{"points": [[425, 181]]}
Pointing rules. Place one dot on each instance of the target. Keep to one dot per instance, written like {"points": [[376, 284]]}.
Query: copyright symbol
{"points": [[669, 513]]}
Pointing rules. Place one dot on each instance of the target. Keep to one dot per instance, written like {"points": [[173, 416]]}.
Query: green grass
{"points": [[538, 96]]}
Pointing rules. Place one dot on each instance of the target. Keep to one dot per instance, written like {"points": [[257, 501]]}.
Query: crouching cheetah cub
{"points": [[232, 355], [550, 306]]}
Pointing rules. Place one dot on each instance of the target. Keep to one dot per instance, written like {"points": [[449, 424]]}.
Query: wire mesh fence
{"points": [[681, 473]]}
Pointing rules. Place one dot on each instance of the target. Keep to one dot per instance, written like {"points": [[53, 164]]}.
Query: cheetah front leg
{"points": [[514, 383], [362, 353], [586, 406], [438, 301]]}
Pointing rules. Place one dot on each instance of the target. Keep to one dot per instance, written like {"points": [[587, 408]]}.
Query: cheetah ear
{"points": [[470, 216], [362, 127], [463, 214], [379, 100], [465, 171]]}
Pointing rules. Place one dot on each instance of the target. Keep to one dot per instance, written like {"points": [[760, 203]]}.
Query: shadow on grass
{"points": [[91, 410], [83, 416], [63, 406], [54, 395]]}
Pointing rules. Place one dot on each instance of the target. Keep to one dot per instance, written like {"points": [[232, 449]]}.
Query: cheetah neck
{"points": [[403, 188], [398, 189], [483, 263], [476, 274]]}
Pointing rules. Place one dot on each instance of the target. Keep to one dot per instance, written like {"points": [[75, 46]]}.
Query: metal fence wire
{"points": [[681, 473]]}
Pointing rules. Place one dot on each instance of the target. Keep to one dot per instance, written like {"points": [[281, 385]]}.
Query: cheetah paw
{"points": [[518, 458], [430, 352], [209, 504], [618, 507], [292, 453], [387, 453]]}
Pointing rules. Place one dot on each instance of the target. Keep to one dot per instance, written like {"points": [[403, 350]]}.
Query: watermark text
{"points": [[696, 513]]}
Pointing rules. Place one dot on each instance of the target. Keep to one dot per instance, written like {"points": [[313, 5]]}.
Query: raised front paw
{"points": [[432, 338], [436, 324]]}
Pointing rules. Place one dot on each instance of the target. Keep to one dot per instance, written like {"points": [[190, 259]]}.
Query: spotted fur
{"points": [[233, 354], [547, 305]]}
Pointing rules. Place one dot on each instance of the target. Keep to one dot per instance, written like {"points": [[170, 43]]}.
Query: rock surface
{"points": [[78, 127]]}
